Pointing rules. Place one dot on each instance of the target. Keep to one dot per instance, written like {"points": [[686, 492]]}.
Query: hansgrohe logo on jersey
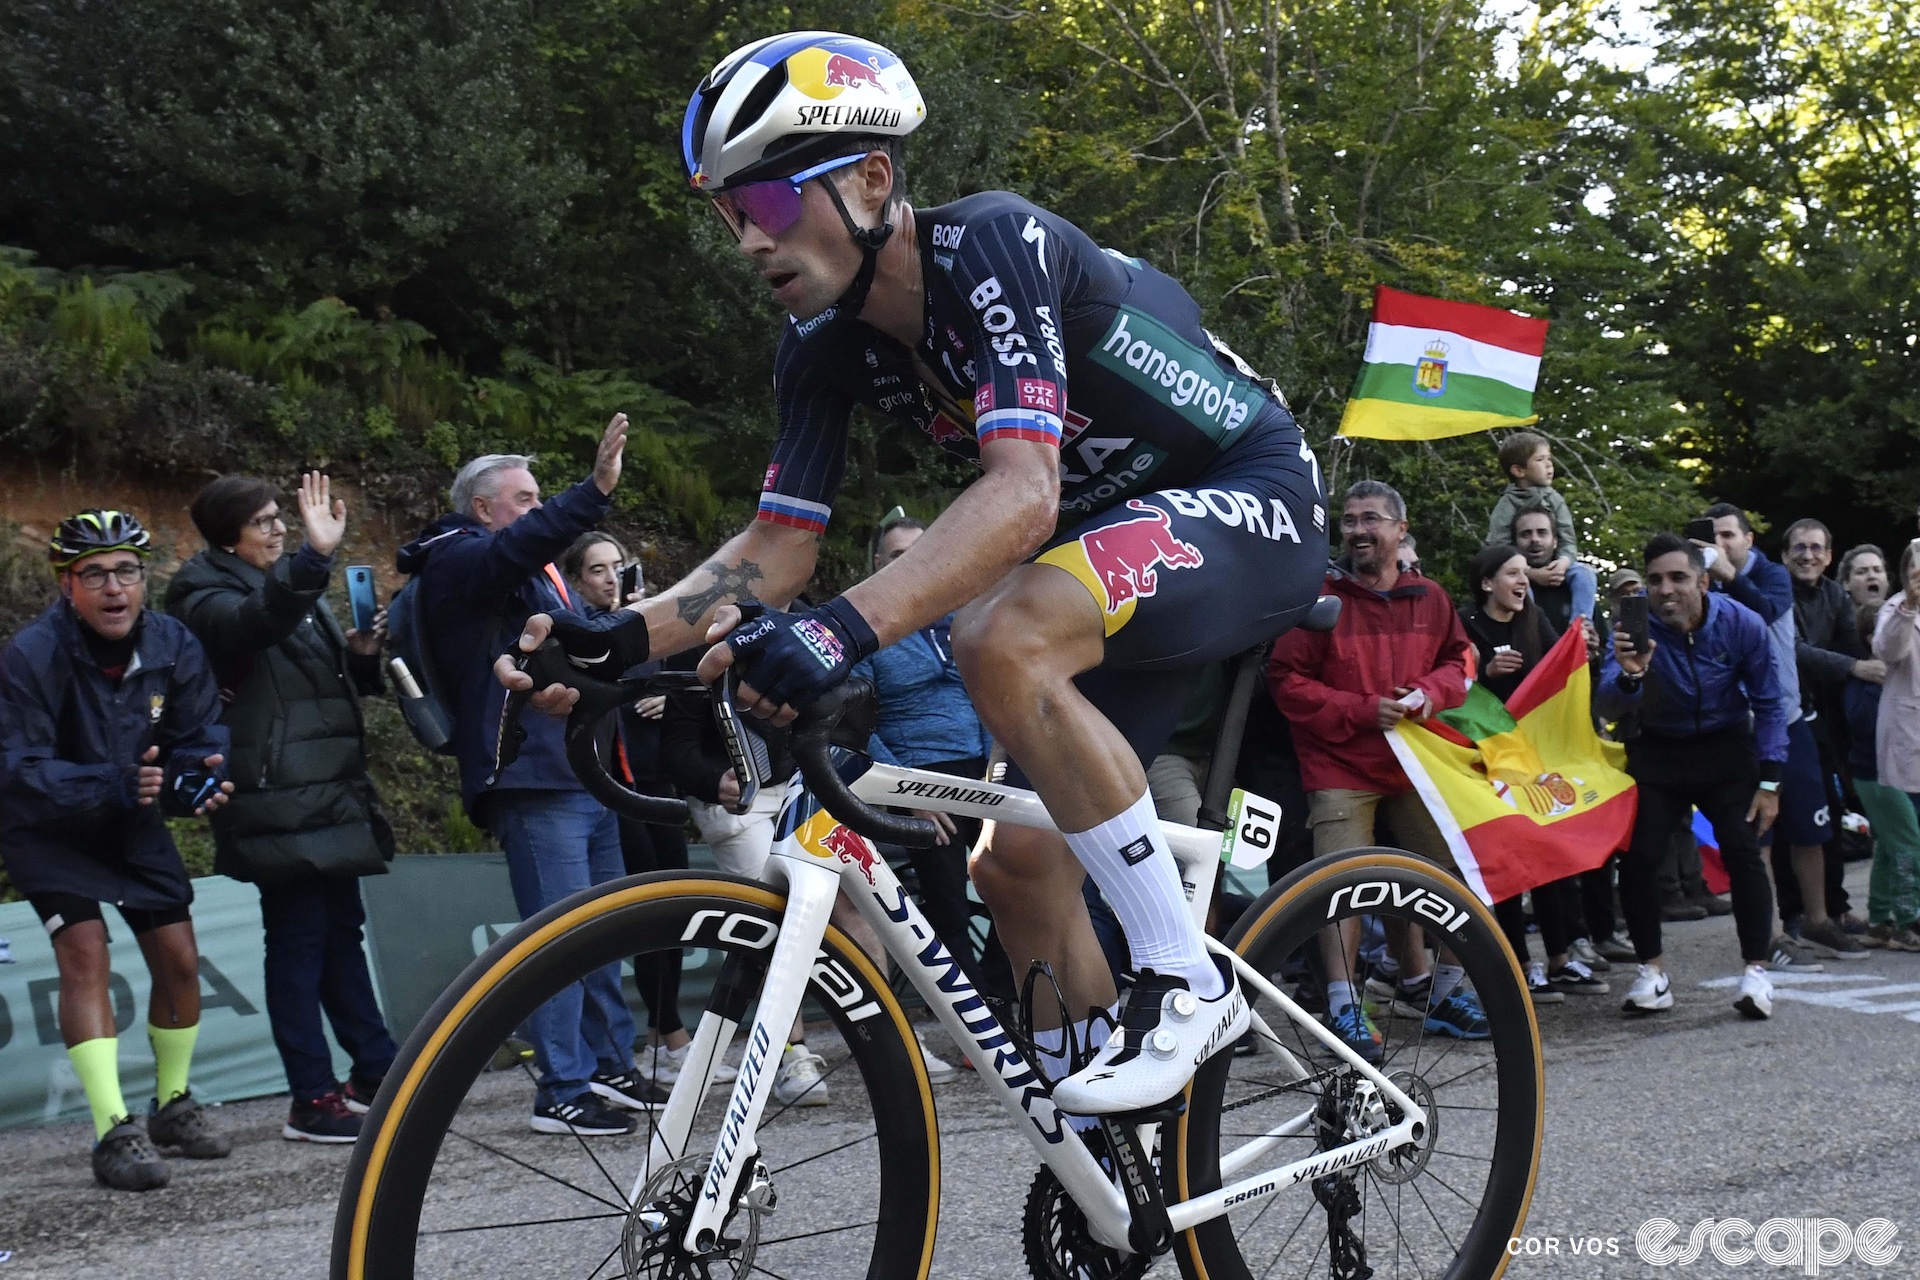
{"points": [[1173, 371]]}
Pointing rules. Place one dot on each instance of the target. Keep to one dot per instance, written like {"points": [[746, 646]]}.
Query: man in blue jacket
{"points": [[109, 721], [482, 569], [1713, 734]]}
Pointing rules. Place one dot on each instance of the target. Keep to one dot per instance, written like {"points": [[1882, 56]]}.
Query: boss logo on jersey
{"points": [[947, 236], [997, 318], [1180, 375], [1373, 893], [1233, 508], [1035, 393]]}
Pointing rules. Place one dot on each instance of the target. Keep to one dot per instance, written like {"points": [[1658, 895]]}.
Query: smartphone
{"points": [[360, 596], [1701, 530], [1633, 621], [629, 583]]}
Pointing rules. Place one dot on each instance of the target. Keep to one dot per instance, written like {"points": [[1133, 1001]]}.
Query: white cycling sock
{"points": [[1446, 977], [1340, 995], [1129, 858]]}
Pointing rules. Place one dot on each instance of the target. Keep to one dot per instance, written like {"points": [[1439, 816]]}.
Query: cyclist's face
{"points": [[1372, 535], [600, 575], [810, 264], [112, 607], [1676, 591], [515, 492]]}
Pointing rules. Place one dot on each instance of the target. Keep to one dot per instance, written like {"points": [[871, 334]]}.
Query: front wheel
{"points": [[448, 1179], [1444, 1206]]}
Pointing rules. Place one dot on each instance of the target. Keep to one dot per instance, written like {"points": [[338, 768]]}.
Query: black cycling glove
{"points": [[605, 651], [794, 658]]}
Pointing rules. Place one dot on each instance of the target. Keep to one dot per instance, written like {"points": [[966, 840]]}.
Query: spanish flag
{"points": [[1524, 793], [1435, 368]]}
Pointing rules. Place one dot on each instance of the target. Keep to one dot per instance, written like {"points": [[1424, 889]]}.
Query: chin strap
{"points": [[871, 240]]}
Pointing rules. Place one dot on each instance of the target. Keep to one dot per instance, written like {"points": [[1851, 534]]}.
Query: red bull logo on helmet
{"points": [[826, 74], [850, 846], [1121, 563]]}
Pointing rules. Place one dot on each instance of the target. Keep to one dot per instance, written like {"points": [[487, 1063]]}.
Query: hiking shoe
{"points": [[1539, 988], [1832, 937], [1712, 903], [1907, 939], [1756, 993], [1787, 954], [1459, 1016], [585, 1116], [1652, 992], [328, 1119], [1618, 948], [1357, 1032], [939, 1071], [1410, 998], [627, 1090], [663, 1066], [183, 1125], [1165, 1033], [1677, 909], [359, 1092], [124, 1160], [1380, 989], [1582, 950], [800, 1082], [1576, 979], [1874, 937]]}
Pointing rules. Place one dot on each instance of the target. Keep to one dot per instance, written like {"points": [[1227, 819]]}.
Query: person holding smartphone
{"points": [[305, 822], [1713, 734]]}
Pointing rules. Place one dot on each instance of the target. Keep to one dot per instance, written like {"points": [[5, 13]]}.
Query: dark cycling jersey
{"points": [[1033, 333]]}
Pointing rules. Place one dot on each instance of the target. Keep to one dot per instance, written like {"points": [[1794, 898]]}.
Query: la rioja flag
{"points": [[1435, 368]]}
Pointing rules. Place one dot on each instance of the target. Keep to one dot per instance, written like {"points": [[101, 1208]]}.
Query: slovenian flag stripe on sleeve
{"points": [[796, 512], [1017, 424], [1435, 368]]}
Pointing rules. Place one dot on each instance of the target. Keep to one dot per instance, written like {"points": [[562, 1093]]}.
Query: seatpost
{"points": [[1226, 749]]}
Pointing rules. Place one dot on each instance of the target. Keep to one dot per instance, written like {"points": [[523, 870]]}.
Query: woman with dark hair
{"points": [[1510, 636], [304, 823]]}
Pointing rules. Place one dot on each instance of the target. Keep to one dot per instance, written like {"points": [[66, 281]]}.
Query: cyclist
{"points": [[109, 720], [1146, 505]]}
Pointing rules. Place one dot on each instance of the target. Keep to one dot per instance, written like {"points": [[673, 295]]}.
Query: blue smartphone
{"points": [[360, 596]]}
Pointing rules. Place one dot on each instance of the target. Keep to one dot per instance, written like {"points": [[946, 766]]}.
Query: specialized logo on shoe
{"points": [[1224, 1029], [1119, 563], [849, 845], [1137, 851]]}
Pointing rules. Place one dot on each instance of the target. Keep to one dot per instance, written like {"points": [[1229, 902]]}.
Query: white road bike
{"points": [[1288, 1155]]}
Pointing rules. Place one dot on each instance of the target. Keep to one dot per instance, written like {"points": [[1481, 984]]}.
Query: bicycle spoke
{"points": [[455, 1133], [581, 1140], [865, 1137], [1436, 1217], [1399, 1232], [1464, 1074], [1458, 1155], [594, 1274], [824, 1231], [1449, 1186], [535, 1222], [766, 1271]]}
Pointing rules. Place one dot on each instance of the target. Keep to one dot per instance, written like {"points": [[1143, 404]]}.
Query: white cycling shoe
{"points": [[1164, 1035]]}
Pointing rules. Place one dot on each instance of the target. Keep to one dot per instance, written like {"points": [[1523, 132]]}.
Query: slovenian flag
{"points": [[1525, 793], [1435, 368]]}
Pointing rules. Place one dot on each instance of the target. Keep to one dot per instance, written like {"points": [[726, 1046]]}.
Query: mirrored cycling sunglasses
{"points": [[773, 205]]}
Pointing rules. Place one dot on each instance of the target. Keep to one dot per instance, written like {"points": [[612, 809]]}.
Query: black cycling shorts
{"points": [[1188, 577], [59, 912]]}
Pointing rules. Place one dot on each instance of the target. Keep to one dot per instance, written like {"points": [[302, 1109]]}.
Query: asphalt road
{"points": [[1692, 1115]]}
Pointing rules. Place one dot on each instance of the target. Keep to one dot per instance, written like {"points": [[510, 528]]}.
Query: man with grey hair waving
{"points": [[481, 570]]}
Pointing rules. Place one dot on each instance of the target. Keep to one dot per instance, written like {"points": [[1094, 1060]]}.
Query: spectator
{"points": [[1526, 460], [108, 723], [1178, 775], [1863, 572], [1533, 534], [926, 721], [304, 823], [1398, 650], [593, 565], [1706, 675], [1893, 891], [1509, 638], [1807, 901], [1896, 642], [1408, 557], [482, 570]]}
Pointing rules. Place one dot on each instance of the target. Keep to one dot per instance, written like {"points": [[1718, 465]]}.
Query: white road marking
{"points": [[1854, 992]]}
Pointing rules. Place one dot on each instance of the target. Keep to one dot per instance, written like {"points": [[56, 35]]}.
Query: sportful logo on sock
{"points": [[1137, 851]]}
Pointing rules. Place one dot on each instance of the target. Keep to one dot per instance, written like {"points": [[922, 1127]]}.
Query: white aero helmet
{"points": [[777, 105]]}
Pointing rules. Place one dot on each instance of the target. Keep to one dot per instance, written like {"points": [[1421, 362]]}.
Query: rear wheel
{"points": [[449, 1180], [1444, 1206]]}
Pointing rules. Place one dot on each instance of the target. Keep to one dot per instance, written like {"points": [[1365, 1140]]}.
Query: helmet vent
{"points": [[758, 99]]}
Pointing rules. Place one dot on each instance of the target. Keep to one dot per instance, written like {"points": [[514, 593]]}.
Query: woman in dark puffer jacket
{"points": [[304, 823]]}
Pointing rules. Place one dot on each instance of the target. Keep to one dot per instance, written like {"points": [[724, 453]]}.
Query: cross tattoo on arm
{"points": [[730, 583]]}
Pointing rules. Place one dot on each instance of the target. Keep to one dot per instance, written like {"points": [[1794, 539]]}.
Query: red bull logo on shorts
{"points": [[1120, 563], [850, 846]]}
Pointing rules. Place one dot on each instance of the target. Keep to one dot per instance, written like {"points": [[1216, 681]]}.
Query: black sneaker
{"points": [[1711, 903], [630, 1090], [125, 1161], [325, 1119], [585, 1115], [184, 1126], [359, 1091], [1576, 979], [1677, 909]]}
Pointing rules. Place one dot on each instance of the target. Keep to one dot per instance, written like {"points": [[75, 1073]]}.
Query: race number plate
{"points": [[1253, 828]]}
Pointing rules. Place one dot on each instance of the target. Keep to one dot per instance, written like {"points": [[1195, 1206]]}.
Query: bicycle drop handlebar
{"points": [[811, 742]]}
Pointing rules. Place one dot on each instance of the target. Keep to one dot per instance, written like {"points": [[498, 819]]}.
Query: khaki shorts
{"points": [[1343, 819]]}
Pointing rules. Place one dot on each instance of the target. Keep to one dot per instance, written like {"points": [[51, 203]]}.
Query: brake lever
{"points": [[746, 751], [512, 734]]}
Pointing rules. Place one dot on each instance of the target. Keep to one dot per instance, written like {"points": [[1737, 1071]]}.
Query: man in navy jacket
{"points": [[1713, 734], [481, 570]]}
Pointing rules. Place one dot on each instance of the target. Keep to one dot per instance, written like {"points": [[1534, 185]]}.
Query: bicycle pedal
{"points": [[1172, 1109]]}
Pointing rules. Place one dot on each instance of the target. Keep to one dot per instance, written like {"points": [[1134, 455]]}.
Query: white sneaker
{"points": [[1756, 993], [1539, 988], [1582, 950], [800, 1082], [1165, 1033], [939, 1070], [663, 1066], [1652, 992]]}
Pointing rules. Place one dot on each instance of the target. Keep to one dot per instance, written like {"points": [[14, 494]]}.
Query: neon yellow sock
{"points": [[172, 1055], [97, 1063]]}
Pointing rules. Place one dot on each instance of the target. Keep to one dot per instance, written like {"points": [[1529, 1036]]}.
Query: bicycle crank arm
{"points": [[1149, 1232]]}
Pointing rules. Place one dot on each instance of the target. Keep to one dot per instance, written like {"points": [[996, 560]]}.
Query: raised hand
{"points": [[322, 515], [606, 466]]}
